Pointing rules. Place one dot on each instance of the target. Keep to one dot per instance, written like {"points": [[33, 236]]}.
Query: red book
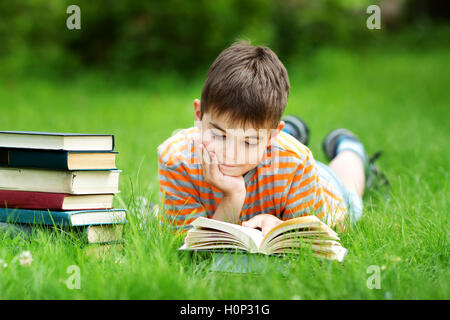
{"points": [[53, 201]]}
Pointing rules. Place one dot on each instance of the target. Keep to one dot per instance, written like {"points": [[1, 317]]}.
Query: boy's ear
{"points": [[275, 133], [197, 112]]}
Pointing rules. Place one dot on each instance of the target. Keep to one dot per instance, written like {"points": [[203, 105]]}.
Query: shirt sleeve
{"points": [[180, 199], [306, 196]]}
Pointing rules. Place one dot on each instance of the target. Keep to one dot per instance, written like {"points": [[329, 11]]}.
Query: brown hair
{"points": [[247, 83]]}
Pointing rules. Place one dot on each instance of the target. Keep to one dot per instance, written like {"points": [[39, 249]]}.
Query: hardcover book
{"points": [[59, 160], [63, 218], [53, 201], [57, 181], [103, 233], [56, 141], [235, 262]]}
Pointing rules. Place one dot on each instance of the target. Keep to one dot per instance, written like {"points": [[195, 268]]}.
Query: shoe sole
{"points": [[300, 125], [329, 144]]}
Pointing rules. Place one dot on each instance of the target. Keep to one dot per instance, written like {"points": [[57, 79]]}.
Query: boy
{"points": [[241, 164]]}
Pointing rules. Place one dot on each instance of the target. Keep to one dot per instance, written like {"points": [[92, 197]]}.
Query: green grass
{"points": [[395, 99]]}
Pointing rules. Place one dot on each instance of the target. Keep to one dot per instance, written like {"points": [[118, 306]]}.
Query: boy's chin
{"points": [[235, 171]]}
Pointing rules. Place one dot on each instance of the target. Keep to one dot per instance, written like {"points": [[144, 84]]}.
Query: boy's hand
{"points": [[230, 186], [264, 221]]}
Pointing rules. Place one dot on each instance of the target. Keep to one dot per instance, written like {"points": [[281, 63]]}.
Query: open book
{"points": [[291, 236]]}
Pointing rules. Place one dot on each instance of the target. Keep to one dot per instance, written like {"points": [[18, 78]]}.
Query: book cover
{"points": [[235, 262]]}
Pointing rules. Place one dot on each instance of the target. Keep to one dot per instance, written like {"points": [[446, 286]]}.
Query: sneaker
{"points": [[374, 177], [330, 143], [297, 128]]}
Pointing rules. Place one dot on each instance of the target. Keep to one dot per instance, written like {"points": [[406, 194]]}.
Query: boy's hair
{"points": [[247, 84]]}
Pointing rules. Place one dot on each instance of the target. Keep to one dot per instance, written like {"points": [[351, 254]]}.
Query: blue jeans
{"points": [[352, 199]]}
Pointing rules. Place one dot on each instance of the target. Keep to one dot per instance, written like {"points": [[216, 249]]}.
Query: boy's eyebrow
{"points": [[218, 127]]}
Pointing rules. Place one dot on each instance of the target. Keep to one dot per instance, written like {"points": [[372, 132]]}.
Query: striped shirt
{"points": [[285, 183]]}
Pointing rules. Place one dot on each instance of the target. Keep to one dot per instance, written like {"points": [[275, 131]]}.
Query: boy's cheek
{"points": [[206, 137], [198, 124]]}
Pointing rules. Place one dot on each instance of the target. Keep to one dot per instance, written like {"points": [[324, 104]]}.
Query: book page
{"points": [[251, 237], [305, 224]]}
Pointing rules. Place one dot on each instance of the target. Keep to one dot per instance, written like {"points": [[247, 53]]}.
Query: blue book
{"points": [[63, 218], [58, 160]]}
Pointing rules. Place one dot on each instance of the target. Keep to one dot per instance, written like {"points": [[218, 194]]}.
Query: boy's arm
{"points": [[233, 188], [181, 207], [179, 198], [230, 208]]}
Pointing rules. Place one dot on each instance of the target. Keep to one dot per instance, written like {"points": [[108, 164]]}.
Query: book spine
{"points": [[31, 200], [45, 159], [113, 142], [4, 157]]}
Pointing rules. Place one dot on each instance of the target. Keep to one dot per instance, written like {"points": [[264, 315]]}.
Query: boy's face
{"points": [[238, 150]]}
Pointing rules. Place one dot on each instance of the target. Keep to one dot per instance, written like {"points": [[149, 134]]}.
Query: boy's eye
{"points": [[224, 137]]}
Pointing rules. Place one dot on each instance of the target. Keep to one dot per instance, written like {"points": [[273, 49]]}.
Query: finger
{"points": [[269, 226], [266, 228], [205, 155], [254, 222], [206, 144], [198, 148], [216, 174], [214, 158]]}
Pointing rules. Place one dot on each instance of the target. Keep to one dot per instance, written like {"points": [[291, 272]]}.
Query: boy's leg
{"points": [[348, 163], [350, 169], [348, 158]]}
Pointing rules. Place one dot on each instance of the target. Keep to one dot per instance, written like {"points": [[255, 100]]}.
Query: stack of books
{"points": [[61, 179]]}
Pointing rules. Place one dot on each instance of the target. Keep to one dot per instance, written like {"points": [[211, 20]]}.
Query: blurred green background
{"points": [[141, 37]]}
